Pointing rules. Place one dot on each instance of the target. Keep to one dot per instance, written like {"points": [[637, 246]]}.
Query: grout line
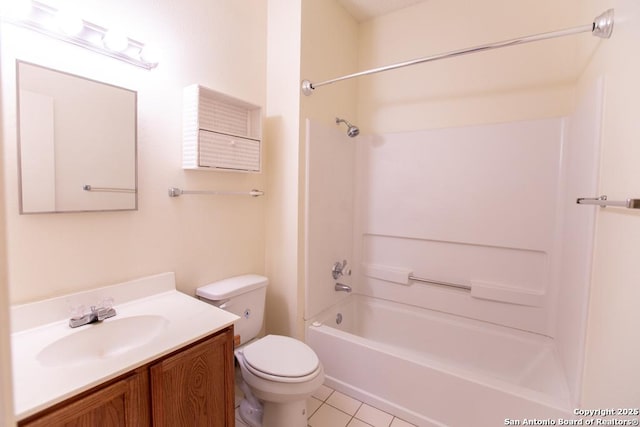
{"points": [[311, 414], [334, 407]]}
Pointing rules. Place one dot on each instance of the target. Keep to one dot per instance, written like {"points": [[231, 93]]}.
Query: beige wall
{"points": [[6, 398], [312, 39], [612, 371], [218, 44], [526, 82], [329, 49], [282, 129]]}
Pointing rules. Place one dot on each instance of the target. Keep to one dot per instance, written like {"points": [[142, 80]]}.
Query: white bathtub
{"points": [[436, 369]]}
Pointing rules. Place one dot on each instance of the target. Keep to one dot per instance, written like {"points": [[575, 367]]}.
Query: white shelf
{"points": [[220, 132]]}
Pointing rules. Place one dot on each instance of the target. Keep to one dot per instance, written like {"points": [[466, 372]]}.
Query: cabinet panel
{"points": [[228, 152], [194, 388], [124, 403]]}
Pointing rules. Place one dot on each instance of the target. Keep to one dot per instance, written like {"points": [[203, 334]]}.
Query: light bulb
{"points": [[150, 55], [115, 40], [69, 22], [18, 9]]}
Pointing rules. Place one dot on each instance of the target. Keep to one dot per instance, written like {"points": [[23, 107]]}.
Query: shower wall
{"points": [[580, 166], [491, 207], [330, 175], [476, 170], [472, 205]]}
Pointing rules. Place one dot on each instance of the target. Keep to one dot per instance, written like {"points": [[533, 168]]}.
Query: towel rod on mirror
{"points": [[88, 187], [175, 192]]}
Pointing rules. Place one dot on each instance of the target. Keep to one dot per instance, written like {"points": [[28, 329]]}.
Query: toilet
{"points": [[278, 373]]}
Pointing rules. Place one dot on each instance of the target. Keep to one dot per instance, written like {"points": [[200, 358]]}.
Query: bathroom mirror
{"points": [[76, 143]]}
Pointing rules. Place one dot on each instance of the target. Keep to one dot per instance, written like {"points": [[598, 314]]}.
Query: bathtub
{"points": [[436, 369]]}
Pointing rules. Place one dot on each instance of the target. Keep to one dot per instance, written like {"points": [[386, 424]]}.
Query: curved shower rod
{"points": [[602, 26]]}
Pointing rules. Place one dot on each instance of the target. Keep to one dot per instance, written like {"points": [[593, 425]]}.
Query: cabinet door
{"points": [[194, 388], [124, 403]]}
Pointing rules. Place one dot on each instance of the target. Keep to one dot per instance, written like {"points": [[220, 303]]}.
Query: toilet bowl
{"points": [[283, 373], [278, 373]]}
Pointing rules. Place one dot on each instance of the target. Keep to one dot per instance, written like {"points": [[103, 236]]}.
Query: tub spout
{"points": [[343, 288]]}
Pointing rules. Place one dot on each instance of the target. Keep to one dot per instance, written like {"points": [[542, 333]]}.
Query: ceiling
{"points": [[363, 10]]}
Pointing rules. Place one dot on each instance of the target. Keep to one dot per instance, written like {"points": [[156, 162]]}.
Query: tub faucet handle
{"points": [[338, 269]]}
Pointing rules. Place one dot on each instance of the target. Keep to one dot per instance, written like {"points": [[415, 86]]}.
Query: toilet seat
{"points": [[282, 359]]}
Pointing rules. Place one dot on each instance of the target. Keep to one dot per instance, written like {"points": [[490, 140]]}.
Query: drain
{"points": [[338, 318]]}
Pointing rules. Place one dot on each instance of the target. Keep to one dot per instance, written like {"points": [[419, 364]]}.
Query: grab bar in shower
{"points": [[602, 201], [437, 282], [478, 289], [404, 276], [88, 187]]}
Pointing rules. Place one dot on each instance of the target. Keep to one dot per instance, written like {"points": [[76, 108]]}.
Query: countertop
{"points": [[37, 386]]}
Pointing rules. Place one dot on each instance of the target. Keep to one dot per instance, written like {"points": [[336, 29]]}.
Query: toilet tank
{"points": [[243, 296]]}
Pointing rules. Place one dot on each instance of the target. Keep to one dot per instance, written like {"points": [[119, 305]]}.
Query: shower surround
{"points": [[492, 208]]}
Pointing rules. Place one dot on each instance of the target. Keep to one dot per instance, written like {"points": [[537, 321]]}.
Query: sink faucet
{"points": [[98, 314], [343, 288]]}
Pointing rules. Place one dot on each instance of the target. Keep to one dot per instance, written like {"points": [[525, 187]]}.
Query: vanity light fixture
{"points": [[115, 40], [66, 26], [69, 23]]}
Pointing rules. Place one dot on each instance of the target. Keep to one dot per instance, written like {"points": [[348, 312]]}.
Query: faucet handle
{"points": [[77, 311], [337, 270], [104, 310]]}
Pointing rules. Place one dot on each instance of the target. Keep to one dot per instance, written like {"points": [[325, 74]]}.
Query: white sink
{"points": [[52, 362], [102, 340]]}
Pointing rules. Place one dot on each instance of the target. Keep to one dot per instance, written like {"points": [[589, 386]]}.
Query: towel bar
{"points": [[88, 187], [602, 201], [175, 192]]}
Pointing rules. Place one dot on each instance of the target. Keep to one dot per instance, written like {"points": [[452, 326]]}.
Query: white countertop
{"points": [[37, 387]]}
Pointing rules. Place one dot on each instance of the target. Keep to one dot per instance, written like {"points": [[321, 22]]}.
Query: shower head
{"points": [[352, 130]]}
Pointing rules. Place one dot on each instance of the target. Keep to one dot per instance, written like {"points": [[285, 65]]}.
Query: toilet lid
{"points": [[281, 356]]}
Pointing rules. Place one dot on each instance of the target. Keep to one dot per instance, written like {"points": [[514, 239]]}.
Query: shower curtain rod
{"points": [[602, 26]]}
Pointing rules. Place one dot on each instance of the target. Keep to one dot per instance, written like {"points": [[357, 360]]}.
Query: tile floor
{"points": [[330, 408]]}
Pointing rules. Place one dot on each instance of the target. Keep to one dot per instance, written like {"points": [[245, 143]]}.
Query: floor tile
{"points": [[323, 392], [330, 408], [373, 416], [397, 422], [312, 406], [343, 402], [357, 423], [328, 416]]}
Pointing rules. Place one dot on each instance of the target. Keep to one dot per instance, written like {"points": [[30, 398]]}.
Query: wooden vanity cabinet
{"points": [[195, 387], [192, 387], [124, 402]]}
